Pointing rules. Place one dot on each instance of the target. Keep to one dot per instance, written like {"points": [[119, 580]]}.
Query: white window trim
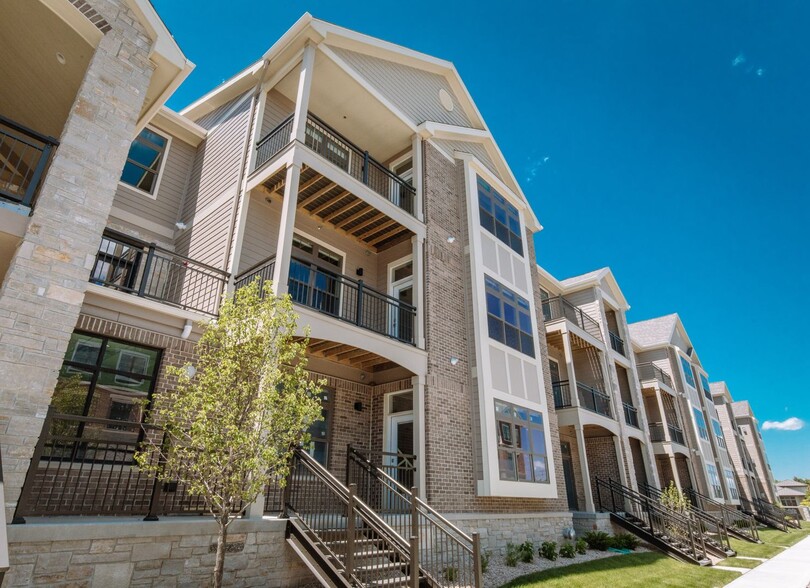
{"points": [[153, 195]]}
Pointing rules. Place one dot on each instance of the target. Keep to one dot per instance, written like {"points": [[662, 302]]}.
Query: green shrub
{"points": [[549, 550], [450, 574], [567, 550], [512, 554], [598, 540], [625, 541], [526, 550], [582, 546], [485, 561]]}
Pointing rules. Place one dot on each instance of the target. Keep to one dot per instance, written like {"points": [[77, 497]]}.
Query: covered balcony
{"points": [[24, 156], [558, 308], [650, 372]]}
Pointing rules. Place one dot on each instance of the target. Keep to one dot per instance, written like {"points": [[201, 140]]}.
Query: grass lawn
{"points": [[638, 570], [772, 542]]}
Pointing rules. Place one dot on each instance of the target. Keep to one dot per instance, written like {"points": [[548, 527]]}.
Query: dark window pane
{"points": [[500, 215], [484, 201], [495, 328], [506, 465], [524, 467], [510, 314], [493, 304], [70, 393], [516, 243], [511, 337], [527, 344], [83, 349], [488, 222], [525, 322], [502, 232]]}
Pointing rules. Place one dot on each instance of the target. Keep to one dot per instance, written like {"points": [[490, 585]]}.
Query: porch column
{"points": [[281, 271], [664, 420], [572, 376], [583, 464], [418, 289], [674, 465], [299, 125], [623, 464]]}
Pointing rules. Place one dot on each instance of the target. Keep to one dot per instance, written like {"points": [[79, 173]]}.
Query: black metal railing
{"points": [[650, 371], [342, 298], [559, 307], [657, 434], [676, 435], [594, 400], [630, 415], [342, 153], [737, 522], [24, 156], [85, 466], [149, 271], [562, 394], [617, 343], [447, 556]]}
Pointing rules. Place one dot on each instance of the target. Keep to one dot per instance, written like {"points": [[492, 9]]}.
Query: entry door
{"points": [[402, 317], [568, 473], [400, 464]]}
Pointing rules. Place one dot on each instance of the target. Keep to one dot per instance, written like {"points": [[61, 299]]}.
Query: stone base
{"points": [[499, 529], [594, 521], [130, 552]]}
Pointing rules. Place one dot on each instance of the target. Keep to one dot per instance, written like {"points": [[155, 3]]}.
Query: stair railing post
{"points": [[348, 461], [477, 572], [598, 493], [147, 268], [286, 494], [157, 488], [612, 494], [358, 320], [414, 537], [350, 530], [414, 569], [691, 536]]}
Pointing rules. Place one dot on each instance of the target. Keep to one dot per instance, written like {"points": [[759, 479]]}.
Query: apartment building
{"points": [[748, 425], [791, 494], [685, 427], [603, 428]]}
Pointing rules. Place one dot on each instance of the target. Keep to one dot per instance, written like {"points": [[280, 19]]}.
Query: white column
{"points": [[569, 362], [419, 430], [674, 465], [302, 97], [664, 421], [281, 271], [583, 465], [619, 446], [418, 175], [418, 244]]}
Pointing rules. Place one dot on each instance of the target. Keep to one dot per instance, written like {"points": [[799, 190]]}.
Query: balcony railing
{"points": [[617, 343], [630, 415], [339, 151], [24, 155], [562, 394], [657, 433], [149, 271], [342, 298], [594, 400], [650, 371], [676, 435], [559, 307]]}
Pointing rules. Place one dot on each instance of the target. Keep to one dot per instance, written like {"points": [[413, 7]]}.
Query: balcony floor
{"points": [[327, 202]]}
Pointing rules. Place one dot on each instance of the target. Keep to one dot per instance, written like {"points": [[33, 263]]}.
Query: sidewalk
{"points": [[790, 569]]}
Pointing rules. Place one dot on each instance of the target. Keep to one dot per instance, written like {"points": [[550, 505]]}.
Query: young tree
{"points": [[237, 415]]}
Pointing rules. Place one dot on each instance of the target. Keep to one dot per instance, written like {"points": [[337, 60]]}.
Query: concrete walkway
{"points": [[789, 569]]}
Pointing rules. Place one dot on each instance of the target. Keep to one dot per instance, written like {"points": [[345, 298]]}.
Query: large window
{"points": [[687, 371], [718, 433], [731, 482], [107, 379], [509, 317], [522, 453], [144, 161], [714, 481], [701, 424], [319, 431], [707, 391], [499, 217]]}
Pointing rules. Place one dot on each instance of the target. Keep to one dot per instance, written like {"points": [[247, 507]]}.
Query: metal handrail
{"points": [[676, 434], [150, 271], [558, 307], [594, 400], [617, 343], [630, 415], [657, 434], [24, 155], [736, 520], [562, 394], [650, 371], [441, 544]]}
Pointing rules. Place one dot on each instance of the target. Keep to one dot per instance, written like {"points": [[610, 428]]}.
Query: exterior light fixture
{"points": [[453, 360], [451, 239], [191, 371], [60, 57]]}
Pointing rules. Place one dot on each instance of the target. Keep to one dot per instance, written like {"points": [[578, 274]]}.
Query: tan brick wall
{"points": [[602, 460]]}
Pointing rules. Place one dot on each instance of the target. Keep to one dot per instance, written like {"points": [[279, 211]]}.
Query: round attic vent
{"points": [[446, 100]]}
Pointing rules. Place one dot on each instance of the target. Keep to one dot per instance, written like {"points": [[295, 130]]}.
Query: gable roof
{"points": [[791, 484], [654, 332], [603, 278]]}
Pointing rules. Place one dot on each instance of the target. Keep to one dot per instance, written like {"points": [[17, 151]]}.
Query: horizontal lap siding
{"points": [[276, 108]]}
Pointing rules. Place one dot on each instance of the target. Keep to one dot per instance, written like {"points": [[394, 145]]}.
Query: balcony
{"points": [[631, 415], [558, 307], [676, 435], [342, 153], [650, 371], [24, 155], [149, 271], [342, 298], [617, 343], [594, 400], [657, 434], [562, 394]]}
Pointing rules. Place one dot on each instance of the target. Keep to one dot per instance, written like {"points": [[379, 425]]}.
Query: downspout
{"points": [[243, 171]]}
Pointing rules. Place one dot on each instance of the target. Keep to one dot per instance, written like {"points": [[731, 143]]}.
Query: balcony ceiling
{"points": [[37, 90], [351, 110], [349, 355]]}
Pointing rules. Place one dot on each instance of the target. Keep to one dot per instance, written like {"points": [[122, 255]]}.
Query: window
{"points": [[509, 317], [701, 424], [499, 217], [714, 481], [522, 455], [718, 433], [319, 431], [732, 484], [687, 371], [145, 160], [704, 382], [106, 379]]}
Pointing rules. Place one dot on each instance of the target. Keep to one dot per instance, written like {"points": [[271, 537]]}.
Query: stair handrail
{"points": [[357, 509], [466, 548], [731, 516], [656, 515], [775, 511]]}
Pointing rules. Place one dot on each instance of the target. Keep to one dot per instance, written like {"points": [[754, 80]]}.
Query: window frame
{"points": [[161, 166], [327, 407], [496, 198], [515, 302], [506, 426], [688, 374], [703, 430]]}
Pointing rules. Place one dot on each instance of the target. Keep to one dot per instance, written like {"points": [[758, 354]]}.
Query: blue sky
{"points": [[668, 140]]}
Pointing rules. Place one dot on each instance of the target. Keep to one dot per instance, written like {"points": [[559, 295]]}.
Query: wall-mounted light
{"points": [[268, 200], [60, 57], [359, 271], [454, 361], [181, 226], [451, 239], [186, 330], [358, 406], [191, 371]]}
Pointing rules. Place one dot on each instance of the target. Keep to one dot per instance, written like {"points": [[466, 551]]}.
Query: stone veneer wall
{"points": [[167, 553], [497, 530]]}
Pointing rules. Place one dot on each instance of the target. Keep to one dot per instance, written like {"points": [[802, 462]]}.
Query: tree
{"points": [[236, 416]]}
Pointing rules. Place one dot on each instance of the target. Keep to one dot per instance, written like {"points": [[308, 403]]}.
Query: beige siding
{"points": [[276, 108], [412, 91]]}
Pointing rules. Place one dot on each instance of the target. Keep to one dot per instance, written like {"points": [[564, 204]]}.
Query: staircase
{"points": [[345, 542], [676, 534], [769, 514], [739, 524]]}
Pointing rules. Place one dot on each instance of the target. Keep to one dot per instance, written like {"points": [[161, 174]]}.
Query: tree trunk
{"points": [[219, 568]]}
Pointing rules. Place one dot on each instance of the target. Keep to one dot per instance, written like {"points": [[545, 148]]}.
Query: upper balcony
{"points": [[650, 371], [24, 156], [148, 271], [558, 307], [587, 397], [617, 343]]}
